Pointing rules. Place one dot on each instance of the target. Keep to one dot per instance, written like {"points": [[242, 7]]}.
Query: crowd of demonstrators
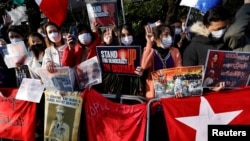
{"points": [[165, 47], [158, 54]]}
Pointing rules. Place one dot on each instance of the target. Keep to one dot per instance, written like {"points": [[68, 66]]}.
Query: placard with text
{"points": [[121, 60], [230, 67], [103, 12]]}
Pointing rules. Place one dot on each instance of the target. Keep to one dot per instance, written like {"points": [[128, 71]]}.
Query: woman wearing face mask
{"points": [[37, 46], [126, 36], [158, 54], [82, 48], [55, 46], [21, 70]]}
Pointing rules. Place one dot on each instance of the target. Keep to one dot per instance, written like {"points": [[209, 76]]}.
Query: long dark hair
{"points": [[36, 52], [49, 43]]}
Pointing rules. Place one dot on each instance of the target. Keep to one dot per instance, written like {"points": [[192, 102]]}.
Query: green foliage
{"points": [[137, 12]]}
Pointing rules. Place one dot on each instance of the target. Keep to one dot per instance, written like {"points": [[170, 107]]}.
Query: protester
{"points": [[55, 47], [7, 76], [208, 34], [7, 21], [15, 34], [126, 37], [82, 48], [37, 46], [238, 34], [158, 54], [181, 36]]}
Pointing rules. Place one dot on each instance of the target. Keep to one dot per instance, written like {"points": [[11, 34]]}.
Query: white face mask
{"points": [[127, 40], [85, 38], [177, 31], [218, 34], [55, 37], [166, 42], [15, 40]]}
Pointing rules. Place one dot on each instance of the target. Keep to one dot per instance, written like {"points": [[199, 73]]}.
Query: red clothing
{"points": [[79, 54]]}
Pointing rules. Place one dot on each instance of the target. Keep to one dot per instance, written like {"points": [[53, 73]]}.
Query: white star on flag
{"points": [[207, 117]]}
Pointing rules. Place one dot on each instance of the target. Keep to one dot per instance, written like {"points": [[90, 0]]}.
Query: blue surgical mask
{"points": [[127, 40], [166, 42]]}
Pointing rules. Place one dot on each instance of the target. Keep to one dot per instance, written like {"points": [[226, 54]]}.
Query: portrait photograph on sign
{"points": [[230, 67], [88, 73], [62, 115], [184, 80], [121, 60]]}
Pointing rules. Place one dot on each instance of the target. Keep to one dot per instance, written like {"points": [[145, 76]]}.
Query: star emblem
{"points": [[207, 117]]}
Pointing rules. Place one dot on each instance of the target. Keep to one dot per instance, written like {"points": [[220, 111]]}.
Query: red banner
{"points": [[17, 117], [187, 118], [109, 121]]}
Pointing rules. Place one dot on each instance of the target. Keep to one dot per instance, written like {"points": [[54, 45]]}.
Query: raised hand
{"points": [[7, 20], [149, 33]]}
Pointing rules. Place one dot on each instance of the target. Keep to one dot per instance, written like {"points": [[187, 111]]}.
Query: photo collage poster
{"points": [[185, 80], [121, 60], [62, 115], [63, 79], [230, 67]]}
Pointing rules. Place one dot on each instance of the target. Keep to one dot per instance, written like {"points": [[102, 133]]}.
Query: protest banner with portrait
{"points": [[121, 60], [103, 12], [184, 80], [230, 67], [62, 115]]}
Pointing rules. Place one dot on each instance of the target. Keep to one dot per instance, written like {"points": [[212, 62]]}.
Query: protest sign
{"points": [[230, 67], [185, 80], [121, 60]]}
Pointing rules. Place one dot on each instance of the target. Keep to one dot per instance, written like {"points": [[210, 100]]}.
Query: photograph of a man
{"points": [[59, 130]]}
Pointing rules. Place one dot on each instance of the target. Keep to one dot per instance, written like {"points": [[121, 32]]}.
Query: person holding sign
{"points": [[83, 48], [55, 46], [158, 54]]}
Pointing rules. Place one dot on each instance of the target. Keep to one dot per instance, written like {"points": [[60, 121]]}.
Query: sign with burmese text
{"points": [[121, 60], [230, 67]]}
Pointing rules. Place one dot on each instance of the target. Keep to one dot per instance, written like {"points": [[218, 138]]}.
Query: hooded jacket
{"points": [[201, 43]]}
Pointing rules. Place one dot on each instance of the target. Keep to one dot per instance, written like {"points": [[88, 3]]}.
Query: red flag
{"points": [[54, 10], [17, 117], [187, 118], [109, 121]]}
